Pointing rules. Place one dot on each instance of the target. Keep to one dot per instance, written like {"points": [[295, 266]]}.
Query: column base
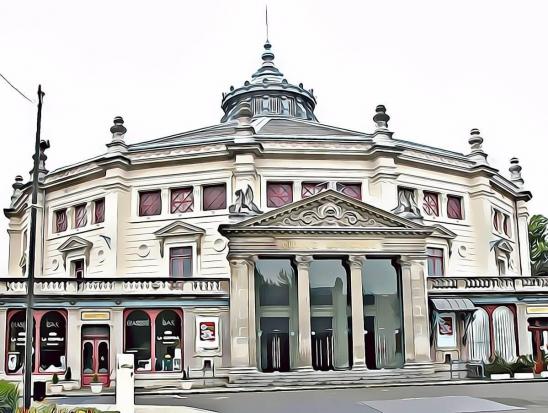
{"points": [[242, 370], [300, 369], [359, 367]]}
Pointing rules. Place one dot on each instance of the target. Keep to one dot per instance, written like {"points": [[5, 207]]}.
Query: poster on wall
{"points": [[207, 333], [446, 337]]}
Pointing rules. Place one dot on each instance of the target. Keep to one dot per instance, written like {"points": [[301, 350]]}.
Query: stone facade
{"points": [[272, 242]]}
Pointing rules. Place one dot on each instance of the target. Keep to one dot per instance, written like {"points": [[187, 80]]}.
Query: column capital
{"points": [[303, 259], [236, 260], [356, 261]]}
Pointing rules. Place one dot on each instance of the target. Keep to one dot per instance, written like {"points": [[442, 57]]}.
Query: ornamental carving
{"points": [[330, 214]]}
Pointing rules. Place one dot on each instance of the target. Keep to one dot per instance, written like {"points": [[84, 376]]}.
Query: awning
{"points": [[453, 304]]}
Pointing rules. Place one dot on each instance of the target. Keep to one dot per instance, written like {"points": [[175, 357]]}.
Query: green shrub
{"points": [[95, 378], [9, 396], [55, 379], [498, 366], [523, 364]]}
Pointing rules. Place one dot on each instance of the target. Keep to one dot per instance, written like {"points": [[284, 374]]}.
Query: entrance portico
{"points": [[332, 282]]}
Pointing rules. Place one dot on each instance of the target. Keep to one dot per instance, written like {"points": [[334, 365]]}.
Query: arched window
{"points": [[479, 344], [53, 328], [503, 333], [16, 343], [168, 341], [138, 339]]}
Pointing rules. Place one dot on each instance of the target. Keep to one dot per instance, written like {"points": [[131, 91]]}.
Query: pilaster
{"points": [[523, 236], [358, 331], [304, 360], [74, 343]]}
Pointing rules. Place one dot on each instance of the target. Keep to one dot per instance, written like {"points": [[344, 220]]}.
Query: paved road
{"points": [[517, 397], [472, 398]]}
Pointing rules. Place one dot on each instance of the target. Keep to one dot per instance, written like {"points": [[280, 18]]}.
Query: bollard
{"points": [[125, 383]]}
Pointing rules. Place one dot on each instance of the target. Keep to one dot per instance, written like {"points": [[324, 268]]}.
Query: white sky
{"points": [[441, 68]]}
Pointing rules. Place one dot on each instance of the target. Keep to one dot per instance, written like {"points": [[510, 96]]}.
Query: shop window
{"points": [[52, 342], [214, 197], [278, 194], [479, 344], [353, 190], [80, 216], [61, 220], [180, 262], [435, 262], [150, 203], [312, 188], [504, 337], [182, 200], [77, 268], [154, 337], [16, 345], [99, 211], [454, 207], [431, 204]]}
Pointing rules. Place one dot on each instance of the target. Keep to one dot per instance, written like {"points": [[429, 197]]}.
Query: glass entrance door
{"points": [[275, 340], [95, 356]]}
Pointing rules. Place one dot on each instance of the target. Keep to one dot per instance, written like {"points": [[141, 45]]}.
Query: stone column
{"points": [[356, 293], [304, 361], [523, 234], [415, 311], [117, 328], [74, 343], [241, 354]]}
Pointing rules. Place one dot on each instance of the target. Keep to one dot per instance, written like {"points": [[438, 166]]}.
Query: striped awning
{"points": [[453, 304]]}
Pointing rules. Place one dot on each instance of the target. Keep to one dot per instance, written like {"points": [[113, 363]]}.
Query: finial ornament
{"points": [[515, 172], [266, 18], [476, 149], [118, 130], [17, 185], [382, 135]]}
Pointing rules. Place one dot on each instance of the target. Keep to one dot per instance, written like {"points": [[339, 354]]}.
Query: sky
{"points": [[440, 68]]}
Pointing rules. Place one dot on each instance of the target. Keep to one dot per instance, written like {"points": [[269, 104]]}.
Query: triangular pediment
{"points": [[331, 210], [75, 243], [177, 229]]}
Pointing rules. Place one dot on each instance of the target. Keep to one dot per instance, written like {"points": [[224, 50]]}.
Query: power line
{"points": [[17, 90]]}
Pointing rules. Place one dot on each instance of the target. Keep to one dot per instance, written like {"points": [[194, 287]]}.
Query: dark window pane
{"points": [[180, 262], [150, 203], [506, 224], [274, 278], [182, 200], [214, 197], [80, 217], [168, 341], [138, 332], [454, 207], [53, 331], [61, 220], [312, 188], [279, 194], [352, 190], [435, 262], [431, 205], [99, 214]]}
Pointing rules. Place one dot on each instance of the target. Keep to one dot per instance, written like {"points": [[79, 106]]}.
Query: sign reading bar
{"points": [[95, 315], [329, 244]]}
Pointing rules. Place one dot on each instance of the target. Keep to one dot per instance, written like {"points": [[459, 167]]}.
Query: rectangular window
{"points": [[431, 204], [278, 194], [454, 207], [150, 203], [180, 262], [182, 200], [77, 269], [435, 262], [214, 197], [312, 188], [353, 190], [80, 216], [506, 225], [99, 211], [61, 220], [501, 265], [496, 220]]}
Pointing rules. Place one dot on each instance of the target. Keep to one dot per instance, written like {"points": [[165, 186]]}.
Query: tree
{"points": [[538, 243]]}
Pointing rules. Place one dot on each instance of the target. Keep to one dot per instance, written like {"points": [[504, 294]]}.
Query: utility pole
{"points": [[27, 392]]}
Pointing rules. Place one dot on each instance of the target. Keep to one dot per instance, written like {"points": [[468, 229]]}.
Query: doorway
{"points": [[539, 332], [95, 354], [275, 340]]}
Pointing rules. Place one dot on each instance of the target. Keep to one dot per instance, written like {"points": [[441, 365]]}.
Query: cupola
{"points": [[268, 93]]}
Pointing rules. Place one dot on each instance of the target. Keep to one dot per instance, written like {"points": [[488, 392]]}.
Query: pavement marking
{"points": [[446, 404], [178, 396], [220, 398]]}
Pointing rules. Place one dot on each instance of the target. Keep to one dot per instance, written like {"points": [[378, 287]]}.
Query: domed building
{"points": [[271, 242]]}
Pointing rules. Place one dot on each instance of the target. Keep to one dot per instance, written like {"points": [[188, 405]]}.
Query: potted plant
{"points": [[96, 385], [186, 383], [544, 372], [498, 369], [55, 387], [524, 367], [68, 383]]}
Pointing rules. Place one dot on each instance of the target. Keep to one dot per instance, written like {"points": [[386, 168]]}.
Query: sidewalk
{"points": [[144, 408]]}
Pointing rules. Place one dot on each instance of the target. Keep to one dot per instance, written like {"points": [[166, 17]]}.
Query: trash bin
{"points": [[39, 393]]}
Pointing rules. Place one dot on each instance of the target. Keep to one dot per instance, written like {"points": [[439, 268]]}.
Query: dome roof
{"points": [[269, 94]]}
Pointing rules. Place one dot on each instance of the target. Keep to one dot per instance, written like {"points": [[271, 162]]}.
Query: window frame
{"points": [[269, 196], [209, 187], [340, 185], [190, 257], [174, 204], [428, 195], [58, 213], [318, 186], [460, 200], [80, 215], [142, 209], [436, 259], [97, 202]]}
